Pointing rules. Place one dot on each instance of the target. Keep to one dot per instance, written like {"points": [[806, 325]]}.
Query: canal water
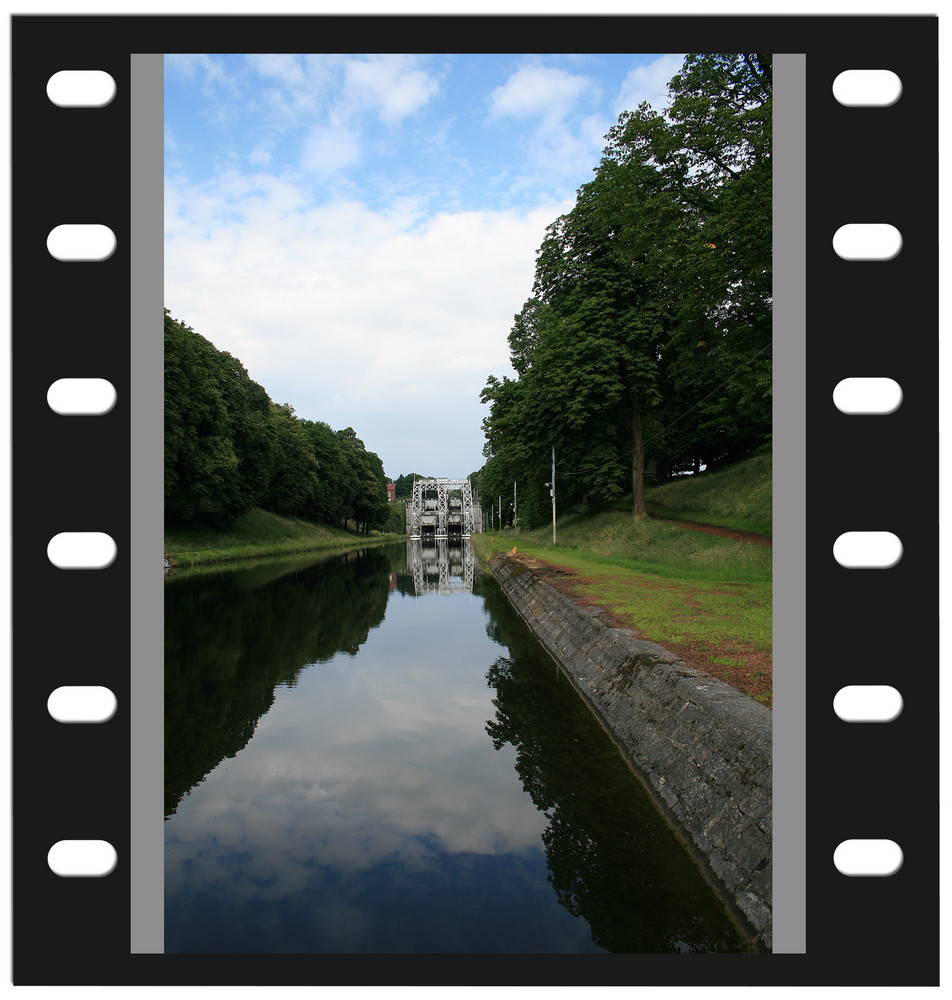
{"points": [[372, 754]]}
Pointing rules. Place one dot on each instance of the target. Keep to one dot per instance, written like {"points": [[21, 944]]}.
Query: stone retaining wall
{"points": [[702, 749]]}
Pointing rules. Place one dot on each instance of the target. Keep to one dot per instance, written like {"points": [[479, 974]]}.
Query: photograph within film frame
{"points": [[837, 316]]}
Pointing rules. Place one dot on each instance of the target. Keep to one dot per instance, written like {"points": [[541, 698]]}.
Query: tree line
{"points": [[229, 447], [404, 484], [644, 352]]}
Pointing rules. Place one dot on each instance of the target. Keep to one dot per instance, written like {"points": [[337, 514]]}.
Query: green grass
{"points": [[653, 547], [739, 496], [730, 597], [257, 535], [708, 599]]}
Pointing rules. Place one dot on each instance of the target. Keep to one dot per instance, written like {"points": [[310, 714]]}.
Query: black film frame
{"points": [[860, 781]]}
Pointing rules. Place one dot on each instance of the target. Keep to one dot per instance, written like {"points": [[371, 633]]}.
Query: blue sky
{"points": [[360, 230]]}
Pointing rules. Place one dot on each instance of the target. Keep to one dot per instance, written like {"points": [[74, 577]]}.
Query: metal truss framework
{"points": [[430, 507]]}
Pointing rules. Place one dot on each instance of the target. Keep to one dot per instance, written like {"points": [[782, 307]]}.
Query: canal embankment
{"points": [[260, 534], [702, 749]]}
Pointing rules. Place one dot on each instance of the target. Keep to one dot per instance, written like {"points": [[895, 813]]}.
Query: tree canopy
{"points": [[645, 348]]}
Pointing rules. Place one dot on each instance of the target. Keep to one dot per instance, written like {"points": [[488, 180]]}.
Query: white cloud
{"points": [[294, 88], [560, 147], [346, 312], [211, 73], [329, 148], [190, 64], [283, 67], [368, 764], [389, 85], [648, 83], [260, 156], [329, 95], [537, 91]]}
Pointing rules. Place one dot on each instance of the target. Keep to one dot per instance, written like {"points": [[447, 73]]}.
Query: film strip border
{"points": [[871, 605], [71, 474]]}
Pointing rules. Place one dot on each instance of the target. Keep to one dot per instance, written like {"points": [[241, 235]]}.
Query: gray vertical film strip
{"points": [[147, 911], [789, 504]]}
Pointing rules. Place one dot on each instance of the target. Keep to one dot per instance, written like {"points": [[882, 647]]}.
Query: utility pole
{"points": [[553, 494], [513, 503], [500, 512]]}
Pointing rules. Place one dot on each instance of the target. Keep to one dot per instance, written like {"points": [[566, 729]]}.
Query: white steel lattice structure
{"points": [[432, 511]]}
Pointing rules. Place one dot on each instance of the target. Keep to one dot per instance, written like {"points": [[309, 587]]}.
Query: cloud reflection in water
{"points": [[371, 812]]}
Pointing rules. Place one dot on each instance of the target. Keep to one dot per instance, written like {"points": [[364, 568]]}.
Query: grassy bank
{"points": [[706, 598], [258, 535], [740, 496], [656, 547]]}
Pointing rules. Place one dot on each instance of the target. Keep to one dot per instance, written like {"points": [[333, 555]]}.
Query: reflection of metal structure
{"points": [[441, 566], [434, 512]]}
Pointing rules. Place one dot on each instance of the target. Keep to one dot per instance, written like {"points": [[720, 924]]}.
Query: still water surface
{"points": [[373, 754]]}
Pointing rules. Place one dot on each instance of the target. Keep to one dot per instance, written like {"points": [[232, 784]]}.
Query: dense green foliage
{"points": [[229, 448], [645, 350]]}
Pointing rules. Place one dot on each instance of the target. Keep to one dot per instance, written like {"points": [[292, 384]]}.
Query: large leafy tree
{"points": [[711, 153], [602, 274], [650, 318], [365, 483]]}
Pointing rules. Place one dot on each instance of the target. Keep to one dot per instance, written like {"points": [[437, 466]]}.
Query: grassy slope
{"points": [[257, 534], [740, 496], [709, 599]]}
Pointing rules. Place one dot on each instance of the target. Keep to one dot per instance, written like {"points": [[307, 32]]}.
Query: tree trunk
{"points": [[638, 508]]}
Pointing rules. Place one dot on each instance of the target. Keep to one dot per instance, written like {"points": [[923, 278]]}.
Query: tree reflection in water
{"points": [[612, 859], [231, 638]]}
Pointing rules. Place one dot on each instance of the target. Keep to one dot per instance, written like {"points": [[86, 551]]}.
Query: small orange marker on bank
{"points": [[513, 548]]}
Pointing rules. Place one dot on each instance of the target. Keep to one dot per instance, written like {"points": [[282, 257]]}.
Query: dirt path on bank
{"points": [[716, 529]]}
